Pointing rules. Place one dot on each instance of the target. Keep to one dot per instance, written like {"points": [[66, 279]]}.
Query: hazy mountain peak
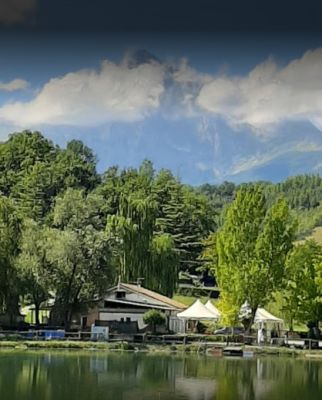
{"points": [[136, 57]]}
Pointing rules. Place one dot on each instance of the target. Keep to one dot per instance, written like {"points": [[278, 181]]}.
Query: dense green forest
{"points": [[68, 232], [303, 194]]}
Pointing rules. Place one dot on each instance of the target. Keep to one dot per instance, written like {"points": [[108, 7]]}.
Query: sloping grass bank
{"points": [[61, 344]]}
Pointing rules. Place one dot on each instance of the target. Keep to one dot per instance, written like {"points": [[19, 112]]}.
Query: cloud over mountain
{"points": [[141, 84], [116, 92], [269, 93]]}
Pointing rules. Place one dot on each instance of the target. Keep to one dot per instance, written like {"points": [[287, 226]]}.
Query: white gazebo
{"points": [[197, 312], [213, 308], [267, 322], [264, 322], [263, 316]]}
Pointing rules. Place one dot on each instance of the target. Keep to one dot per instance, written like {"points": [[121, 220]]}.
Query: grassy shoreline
{"points": [[194, 348]]}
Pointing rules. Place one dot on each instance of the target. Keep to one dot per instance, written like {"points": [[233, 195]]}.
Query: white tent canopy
{"points": [[261, 315], [213, 308], [264, 316], [197, 311]]}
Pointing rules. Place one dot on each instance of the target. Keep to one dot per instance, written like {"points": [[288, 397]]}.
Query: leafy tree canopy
{"points": [[252, 247]]}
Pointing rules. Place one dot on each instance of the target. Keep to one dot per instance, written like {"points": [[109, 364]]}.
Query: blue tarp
{"points": [[60, 334], [45, 334]]}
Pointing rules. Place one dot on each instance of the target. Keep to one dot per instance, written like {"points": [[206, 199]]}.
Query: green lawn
{"points": [[316, 235]]}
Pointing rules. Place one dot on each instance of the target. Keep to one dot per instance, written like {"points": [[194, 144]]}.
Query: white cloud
{"points": [[15, 84], [90, 97], [187, 83], [184, 74], [131, 90], [269, 93]]}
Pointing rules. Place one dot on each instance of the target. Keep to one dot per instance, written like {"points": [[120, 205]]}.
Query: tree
{"points": [[10, 230], [146, 169], [252, 247], [131, 231], [303, 294], [33, 171], [209, 254], [219, 195], [154, 318], [72, 169], [83, 152], [34, 193], [21, 152], [164, 266], [33, 266], [184, 214], [78, 251], [140, 249]]}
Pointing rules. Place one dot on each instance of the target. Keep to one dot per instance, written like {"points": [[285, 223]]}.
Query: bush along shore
{"points": [[193, 348]]}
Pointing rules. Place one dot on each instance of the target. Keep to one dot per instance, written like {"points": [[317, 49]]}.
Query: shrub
{"points": [[154, 318], [14, 337]]}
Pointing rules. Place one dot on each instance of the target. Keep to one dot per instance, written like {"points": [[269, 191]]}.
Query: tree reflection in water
{"points": [[69, 376]]}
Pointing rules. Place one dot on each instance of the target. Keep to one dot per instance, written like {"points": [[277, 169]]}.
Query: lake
{"points": [[93, 375]]}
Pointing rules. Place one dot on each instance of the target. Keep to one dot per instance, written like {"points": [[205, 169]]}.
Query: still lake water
{"points": [[79, 376]]}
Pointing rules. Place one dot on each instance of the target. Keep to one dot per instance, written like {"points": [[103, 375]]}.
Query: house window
{"points": [[120, 294]]}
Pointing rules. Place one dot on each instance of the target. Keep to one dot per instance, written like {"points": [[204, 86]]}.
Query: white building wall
{"points": [[117, 316], [176, 324]]}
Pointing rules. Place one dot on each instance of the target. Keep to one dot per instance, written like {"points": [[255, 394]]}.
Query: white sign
{"points": [[99, 332]]}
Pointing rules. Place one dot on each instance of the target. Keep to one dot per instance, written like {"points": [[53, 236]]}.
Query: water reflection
{"points": [[68, 376]]}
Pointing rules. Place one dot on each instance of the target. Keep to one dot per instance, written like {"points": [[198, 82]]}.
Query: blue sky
{"points": [[212, 106]]}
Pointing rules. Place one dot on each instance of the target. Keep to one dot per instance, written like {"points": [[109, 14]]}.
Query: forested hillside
{"points": [[303, 194], [68, 232]]}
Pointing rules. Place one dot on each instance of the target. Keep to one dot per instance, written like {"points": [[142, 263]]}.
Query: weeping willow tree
{"points": [[165, 261], [138, 252], [131, 230], [10, 230]]}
